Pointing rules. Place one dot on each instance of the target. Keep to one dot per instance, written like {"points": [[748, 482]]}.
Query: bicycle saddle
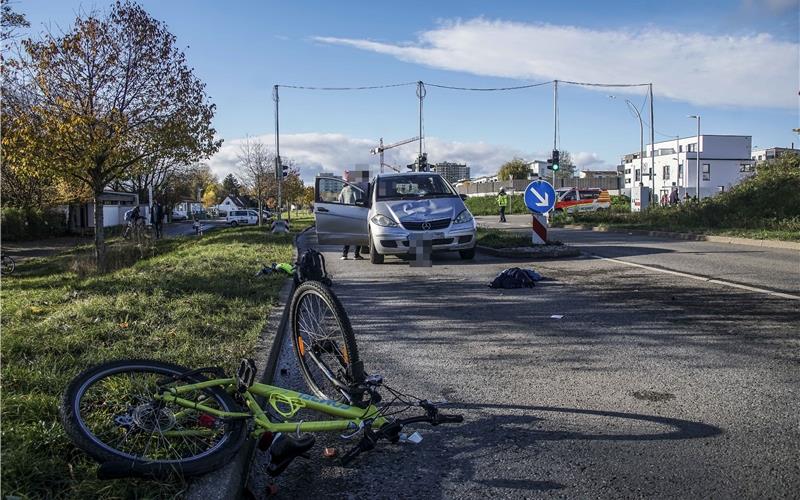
{"points": [[286, 448]]}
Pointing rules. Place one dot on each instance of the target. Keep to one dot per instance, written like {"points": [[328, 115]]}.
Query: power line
{"points": [[588, 84], [488, 89], [370, 87]]}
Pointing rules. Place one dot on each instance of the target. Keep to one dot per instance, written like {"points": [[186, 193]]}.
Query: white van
{"points": [[236, 217]]}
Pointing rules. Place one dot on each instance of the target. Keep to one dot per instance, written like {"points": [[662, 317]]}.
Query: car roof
{"points": [[405, 174]]}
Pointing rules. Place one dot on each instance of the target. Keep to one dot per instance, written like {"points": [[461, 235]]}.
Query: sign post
{"points": [[540, 197]]}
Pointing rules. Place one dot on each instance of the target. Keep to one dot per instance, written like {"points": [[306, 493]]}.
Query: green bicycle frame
{"points": [[349, 417]]}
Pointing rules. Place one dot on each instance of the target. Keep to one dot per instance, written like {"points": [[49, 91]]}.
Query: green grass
{"points": [[487, 205], [193, 301], [764, 206], [496, 238]]}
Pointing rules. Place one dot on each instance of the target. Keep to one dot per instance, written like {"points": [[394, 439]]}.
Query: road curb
{"points": [[733, 240], [530, 253], [229, 481]]}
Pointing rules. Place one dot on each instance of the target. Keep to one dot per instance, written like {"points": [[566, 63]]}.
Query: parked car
{"points": [[179, 215], [236, 217], [389, 212], [572, 200]]}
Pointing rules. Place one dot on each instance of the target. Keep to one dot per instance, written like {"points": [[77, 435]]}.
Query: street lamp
{"points": [[697, 157], [641, 141]]}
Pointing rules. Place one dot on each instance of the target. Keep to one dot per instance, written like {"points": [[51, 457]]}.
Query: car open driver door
{"points": [[340, 211]]}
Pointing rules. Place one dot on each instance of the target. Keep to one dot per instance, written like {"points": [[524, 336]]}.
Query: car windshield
{"points": [[412, 187]]}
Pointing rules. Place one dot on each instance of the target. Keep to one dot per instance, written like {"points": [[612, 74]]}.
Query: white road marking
{"points": [[701, 278]]}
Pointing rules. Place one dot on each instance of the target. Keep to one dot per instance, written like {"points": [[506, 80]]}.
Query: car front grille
{"points": [[417, 225]]}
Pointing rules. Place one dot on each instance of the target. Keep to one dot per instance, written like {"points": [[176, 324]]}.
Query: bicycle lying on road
{"points": [[149, 419]]}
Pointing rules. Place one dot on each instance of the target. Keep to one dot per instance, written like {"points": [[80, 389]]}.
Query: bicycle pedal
{"points": [[246, 375]]}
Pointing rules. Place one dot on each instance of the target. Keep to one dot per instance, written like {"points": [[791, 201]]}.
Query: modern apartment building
{"points": [[453, 172], [769, 154], [723, 161]]}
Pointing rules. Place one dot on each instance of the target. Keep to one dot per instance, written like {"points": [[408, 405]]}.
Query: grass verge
{"points": [[496, 238], [193, 302]]}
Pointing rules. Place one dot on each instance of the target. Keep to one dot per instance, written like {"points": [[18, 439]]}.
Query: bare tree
{"points": [[257, 168]]}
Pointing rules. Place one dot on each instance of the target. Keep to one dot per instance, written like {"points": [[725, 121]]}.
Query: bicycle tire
{"points": [[8, 265], [233, 431], [309, 298]]}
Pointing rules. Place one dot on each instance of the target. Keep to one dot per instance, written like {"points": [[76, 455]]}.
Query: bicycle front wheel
{"points": [[324, 342], [109, 411], [8, 265]]}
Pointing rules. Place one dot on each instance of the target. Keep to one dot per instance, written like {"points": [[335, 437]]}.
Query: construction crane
{"points": [[381, 148]]}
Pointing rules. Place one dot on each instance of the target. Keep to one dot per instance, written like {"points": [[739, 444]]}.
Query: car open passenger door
{"points": [[340, 211]]}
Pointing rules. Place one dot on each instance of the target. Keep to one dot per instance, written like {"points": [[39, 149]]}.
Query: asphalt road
{"points": [[648, 385], [768, 268]]}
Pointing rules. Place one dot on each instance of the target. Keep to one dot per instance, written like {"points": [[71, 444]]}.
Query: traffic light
{"points": [[285, 169], [553, 163]]}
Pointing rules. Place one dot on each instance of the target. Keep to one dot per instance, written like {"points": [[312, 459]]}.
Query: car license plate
{"points": [[437, 236]]}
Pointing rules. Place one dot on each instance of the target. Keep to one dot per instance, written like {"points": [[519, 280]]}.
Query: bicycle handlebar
{"points": [[391, 430]]}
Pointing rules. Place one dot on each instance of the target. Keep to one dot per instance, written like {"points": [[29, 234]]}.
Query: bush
{"points": [[27, 224], [768, 200], [487, 205]]}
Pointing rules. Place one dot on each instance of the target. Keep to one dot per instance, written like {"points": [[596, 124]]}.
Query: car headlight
{"points": [[463, 217], [382, 220]]}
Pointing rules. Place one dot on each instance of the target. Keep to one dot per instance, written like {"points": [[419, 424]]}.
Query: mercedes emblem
{"points": [[426, 226]]}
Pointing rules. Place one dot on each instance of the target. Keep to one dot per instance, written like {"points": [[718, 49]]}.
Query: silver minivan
{"points": [[391, 212]]}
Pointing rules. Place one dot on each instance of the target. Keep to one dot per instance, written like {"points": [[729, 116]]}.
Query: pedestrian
{"points": [[157, 218], [673, 195], [663, 199], [356, 255], [502, 202], [349, 196], [686, 197]]}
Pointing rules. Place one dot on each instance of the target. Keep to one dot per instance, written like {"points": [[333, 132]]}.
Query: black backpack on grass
{"points": [[311, 267]]}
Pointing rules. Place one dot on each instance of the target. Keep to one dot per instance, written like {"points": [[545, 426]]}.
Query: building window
{"points": [[627, 181], [746, 167], [627, 171], [638, 175], [692, 147], [760, 157], [666, 172], [680, 148], [680, 170], [706, 171]]}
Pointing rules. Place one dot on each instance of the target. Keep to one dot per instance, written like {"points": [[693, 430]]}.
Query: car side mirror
{"points": [[463, 197]]}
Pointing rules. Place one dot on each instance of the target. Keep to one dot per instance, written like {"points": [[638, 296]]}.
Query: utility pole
{"points": [[555, 123], [278, 163], [652, 149], [380, 148], [421, 95], [697, 158]]}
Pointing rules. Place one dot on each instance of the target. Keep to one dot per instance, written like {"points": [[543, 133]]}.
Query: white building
{"points": [[769, 154], [724, 161], [539, 170]]}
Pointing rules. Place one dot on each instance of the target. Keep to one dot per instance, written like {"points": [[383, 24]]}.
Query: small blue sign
{"points": [[540, 197]]}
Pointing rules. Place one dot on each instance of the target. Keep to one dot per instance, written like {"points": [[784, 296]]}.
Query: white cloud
{"points": [[325, 152], [756, 70], [589, 161]]}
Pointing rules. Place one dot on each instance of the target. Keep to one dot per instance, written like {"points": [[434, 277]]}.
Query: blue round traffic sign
{"points": [[540, 197]]}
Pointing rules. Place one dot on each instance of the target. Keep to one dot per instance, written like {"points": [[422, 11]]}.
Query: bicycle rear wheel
{"points": [[110, 413], [324, 342]]}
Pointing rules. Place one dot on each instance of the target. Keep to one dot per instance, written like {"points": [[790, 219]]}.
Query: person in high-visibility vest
{"points": [[502, 200]]}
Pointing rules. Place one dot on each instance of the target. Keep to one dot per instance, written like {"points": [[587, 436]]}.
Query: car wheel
{"points": [[234, 223], [467, 254], [374, 256]]}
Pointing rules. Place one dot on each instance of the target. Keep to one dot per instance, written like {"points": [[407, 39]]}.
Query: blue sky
{"points": [[733, 62]]}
